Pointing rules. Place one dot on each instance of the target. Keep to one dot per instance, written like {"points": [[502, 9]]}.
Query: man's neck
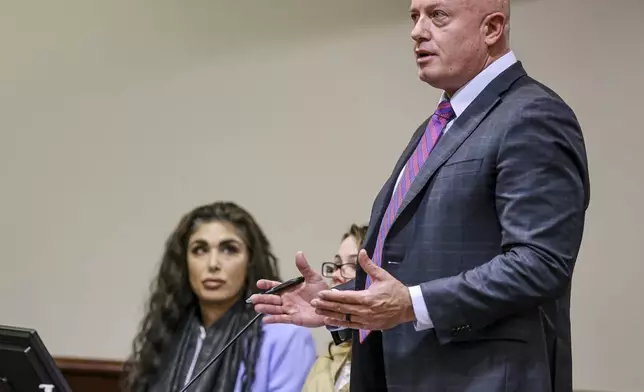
{"points": [[493, 56]]}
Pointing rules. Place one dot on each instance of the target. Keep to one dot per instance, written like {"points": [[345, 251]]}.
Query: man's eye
{"points": [[438, 14]]}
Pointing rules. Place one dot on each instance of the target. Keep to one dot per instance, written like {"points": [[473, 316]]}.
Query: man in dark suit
{"points": [[465, 274]]}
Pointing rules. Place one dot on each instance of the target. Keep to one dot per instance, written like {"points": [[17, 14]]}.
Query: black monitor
{"points": [[25, 363]]}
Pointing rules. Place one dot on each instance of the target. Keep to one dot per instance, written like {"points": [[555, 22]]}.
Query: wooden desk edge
{"points": [[95, 366]]}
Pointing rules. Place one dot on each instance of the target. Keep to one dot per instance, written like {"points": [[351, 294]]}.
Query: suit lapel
{"points": [[460, 130], [446, 146]]}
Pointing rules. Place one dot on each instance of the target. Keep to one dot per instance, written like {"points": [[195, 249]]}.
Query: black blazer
{"points": [[490, 230]]}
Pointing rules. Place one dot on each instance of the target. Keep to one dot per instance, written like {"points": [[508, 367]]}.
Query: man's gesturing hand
{"points": [[294, 305], [385, 304]]}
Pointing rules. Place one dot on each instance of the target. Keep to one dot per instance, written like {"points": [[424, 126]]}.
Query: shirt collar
{"points": [[468, 93]]}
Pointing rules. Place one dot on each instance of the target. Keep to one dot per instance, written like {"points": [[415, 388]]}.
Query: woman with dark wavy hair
{"points": [[210, 265]]}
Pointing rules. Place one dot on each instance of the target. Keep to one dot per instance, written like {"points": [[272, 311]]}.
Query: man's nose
{"points": [[419, 32]]}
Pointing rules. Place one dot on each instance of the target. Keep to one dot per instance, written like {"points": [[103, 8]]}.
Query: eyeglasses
{"points": [[347, 270]]}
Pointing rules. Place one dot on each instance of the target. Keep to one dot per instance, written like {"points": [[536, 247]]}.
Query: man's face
{"points": [[448, 41]]}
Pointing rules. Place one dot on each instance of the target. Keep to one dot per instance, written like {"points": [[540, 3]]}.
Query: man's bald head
{"points": [[483, 6], [495, 5], [456, 39]]}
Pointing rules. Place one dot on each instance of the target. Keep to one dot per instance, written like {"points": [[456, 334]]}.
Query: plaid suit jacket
{"points": [[490, 230]]}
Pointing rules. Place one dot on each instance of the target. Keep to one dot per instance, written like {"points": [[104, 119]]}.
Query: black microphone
{"points": [[279, 288]]}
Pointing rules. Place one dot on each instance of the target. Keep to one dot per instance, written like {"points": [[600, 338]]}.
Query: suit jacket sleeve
{"points": [[541, 198]]}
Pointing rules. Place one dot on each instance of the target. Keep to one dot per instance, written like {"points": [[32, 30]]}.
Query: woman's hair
{"points": [[172, 297], [357, 232]]}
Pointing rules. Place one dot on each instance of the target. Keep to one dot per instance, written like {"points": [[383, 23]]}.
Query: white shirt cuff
{"points": [[423, 321]]}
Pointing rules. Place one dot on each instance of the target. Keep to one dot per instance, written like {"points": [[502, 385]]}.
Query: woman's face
{"points": [[346, 260], [217, 263]]}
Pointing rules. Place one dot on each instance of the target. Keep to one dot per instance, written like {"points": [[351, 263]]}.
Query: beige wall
{"points": [[119, 116]]}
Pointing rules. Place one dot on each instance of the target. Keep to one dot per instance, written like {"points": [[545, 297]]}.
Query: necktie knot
{"points": [[445, 111]]}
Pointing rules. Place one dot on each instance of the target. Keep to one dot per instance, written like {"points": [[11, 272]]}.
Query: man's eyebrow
{"points": [[432, 5]]}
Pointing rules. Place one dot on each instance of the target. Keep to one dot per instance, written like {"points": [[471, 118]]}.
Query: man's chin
{"points": [[428, 77]]}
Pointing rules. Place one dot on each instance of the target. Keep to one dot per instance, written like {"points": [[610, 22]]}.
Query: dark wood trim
{"points": [[91, 374], [89, 365]]}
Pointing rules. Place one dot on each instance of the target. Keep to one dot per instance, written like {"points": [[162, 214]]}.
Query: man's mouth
{"points": [[423, 54]]}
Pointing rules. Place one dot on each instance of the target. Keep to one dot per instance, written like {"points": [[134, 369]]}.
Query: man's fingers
{"points": [[343, 296], [370, 267], [337, 323], [338, 307], [269, 309], [266, 299], [277, 319], [330, 314], [264, 284], [304, 267], [341, 317]]}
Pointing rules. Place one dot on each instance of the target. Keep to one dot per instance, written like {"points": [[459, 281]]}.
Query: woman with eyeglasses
{"points": [[330, 372]]}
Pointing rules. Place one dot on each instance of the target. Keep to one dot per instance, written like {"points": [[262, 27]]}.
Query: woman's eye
{"points": [[199, 250], [230, 249]]}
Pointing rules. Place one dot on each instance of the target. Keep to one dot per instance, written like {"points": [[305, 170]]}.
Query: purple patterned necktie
{"points": [[443, 115]]}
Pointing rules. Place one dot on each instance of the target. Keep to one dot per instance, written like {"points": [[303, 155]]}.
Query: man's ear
{"points": [[494, 26]]}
